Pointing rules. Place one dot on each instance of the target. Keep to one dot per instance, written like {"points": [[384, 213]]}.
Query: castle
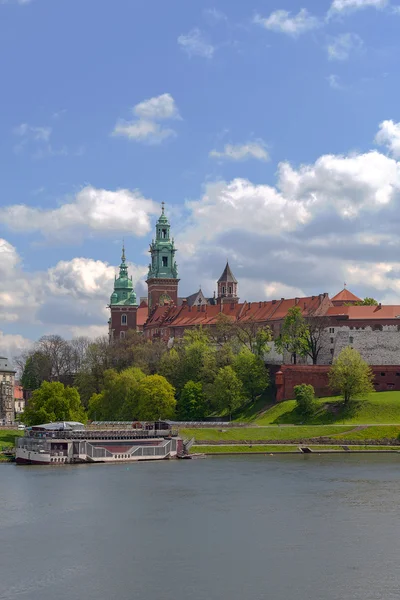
{"points": [[372, 330]]}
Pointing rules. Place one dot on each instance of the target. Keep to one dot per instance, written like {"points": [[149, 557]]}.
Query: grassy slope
{"points": [[261, 433], [379, 408], [7, 440]]}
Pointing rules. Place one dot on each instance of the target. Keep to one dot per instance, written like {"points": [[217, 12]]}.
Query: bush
{"points": [[305, 399]]}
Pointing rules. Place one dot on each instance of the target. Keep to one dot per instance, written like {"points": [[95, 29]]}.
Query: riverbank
{"points": [[225, 449]]}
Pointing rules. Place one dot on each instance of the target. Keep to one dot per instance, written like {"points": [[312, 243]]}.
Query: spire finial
{"points": [[123, 251], [162, 206], [345, 284]]}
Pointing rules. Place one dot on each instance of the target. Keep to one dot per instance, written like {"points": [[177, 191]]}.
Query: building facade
{"points": [[372, 330], [7, 381]]}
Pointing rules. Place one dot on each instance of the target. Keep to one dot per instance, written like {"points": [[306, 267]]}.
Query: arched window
{"points": [[230, 289], [122, 334], [223, 289], [124, 319]]}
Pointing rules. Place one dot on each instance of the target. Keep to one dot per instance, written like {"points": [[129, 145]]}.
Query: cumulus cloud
{"points": [[146, 126], [13, 345], [195, 44], [96, 210], [240, 152], [341, 6], [389, 136], [344, 45], [282, 21]]}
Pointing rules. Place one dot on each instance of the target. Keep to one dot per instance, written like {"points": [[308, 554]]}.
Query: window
{"points": [[122, 334], [383, 374], [351, 340], [223, 289], [332, 340], [397, 374], [164, 234], [165, 261], [230, 289], [123, 319], [331, 330], [332, 350], [378, 328]]}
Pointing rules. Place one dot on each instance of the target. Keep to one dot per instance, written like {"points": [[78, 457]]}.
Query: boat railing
{"points": [[107, 434]]}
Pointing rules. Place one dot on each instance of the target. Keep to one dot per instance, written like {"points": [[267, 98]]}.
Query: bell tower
{"points": [[227, 287], [123, 304], [162, 279]]}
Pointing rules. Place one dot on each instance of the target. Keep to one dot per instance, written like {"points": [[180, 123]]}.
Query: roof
{"points": [[141, 315], [272, 310], [346, 296], [227, 275], [362, 313]]}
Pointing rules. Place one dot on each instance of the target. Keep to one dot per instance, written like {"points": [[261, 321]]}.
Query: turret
{"points": [[123, 303], [227, 286]]}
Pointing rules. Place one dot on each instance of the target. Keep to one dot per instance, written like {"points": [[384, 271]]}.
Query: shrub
{"points": [[305, 399]]}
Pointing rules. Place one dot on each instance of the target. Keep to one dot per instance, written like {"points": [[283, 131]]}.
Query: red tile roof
{"points": [[141, 315], [361, 313], [346, 296]]}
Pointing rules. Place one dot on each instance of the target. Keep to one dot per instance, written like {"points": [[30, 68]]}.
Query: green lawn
{"points": [[380, 407], [238, 449], [263, 433], [7, 440]]}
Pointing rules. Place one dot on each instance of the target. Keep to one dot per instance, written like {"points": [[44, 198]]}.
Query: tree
{"points": [[227, 390], [367, 302], [97, 360], [316, 328], [119, 398], [54, 402], [351, 375], [294, 334], [305, 399], [192, 404], [37, 368], [156, 399], [252, 373]]}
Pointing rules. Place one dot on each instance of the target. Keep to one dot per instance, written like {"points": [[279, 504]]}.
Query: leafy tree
{"points": [[224, 355], [351, 375], [171, 367], [305, 399], [251, 371], [228, 390], [367, 302], [37, 369], [192, 404], [294, 334], [247, 333], [119, 398], [316, 328], [54, 402], [156, 399]]}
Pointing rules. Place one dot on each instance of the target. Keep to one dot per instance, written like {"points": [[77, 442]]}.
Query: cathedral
{"points": [[372, 330]]}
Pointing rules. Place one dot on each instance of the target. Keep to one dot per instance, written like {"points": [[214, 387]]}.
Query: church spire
{"points": [[227, 286], [124, 293], [123, 268]]}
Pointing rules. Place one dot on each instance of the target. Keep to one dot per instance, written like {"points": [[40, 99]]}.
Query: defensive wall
{"points": [[386, 378]]}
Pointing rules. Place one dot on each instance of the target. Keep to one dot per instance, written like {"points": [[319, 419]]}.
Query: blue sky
{"points": [[270, 130]]}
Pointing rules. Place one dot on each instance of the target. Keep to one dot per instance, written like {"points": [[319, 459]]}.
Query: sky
{"points": [[271, 130]]}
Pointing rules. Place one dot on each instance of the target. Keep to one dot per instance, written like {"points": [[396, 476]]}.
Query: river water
{"points": [[226, 528]]}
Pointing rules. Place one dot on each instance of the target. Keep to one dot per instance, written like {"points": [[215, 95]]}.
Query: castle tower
{"points": [[123, 304], [227, 287], [162, 279]]}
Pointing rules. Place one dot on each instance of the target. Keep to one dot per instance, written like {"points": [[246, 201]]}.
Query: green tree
{"points": [[54, 402], [367, 302], [227, 390], [192, 404], [119, 398], [294, 334], [37, 369], [156, 399], [171, 367], [251, 371], [305, 399], [351, 375]]}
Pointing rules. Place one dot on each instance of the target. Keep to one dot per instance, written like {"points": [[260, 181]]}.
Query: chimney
{"points": [[184, 302], [296, 300]]}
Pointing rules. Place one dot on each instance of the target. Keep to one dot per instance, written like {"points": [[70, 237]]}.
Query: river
{"points": [[225, 528]]}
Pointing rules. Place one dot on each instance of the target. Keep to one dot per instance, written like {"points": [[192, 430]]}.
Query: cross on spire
{"points": [[162, 206], [123, 251]]}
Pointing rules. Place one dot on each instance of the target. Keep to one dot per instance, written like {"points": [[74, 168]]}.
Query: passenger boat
{"points": [[70, 442]]}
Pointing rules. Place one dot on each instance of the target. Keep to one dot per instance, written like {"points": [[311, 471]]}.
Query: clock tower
{"points": [[162, 279]]}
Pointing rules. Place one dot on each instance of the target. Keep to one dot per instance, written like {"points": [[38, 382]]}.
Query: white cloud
{"points": [[146, 126], [194, 44], [240, 152], [214, 15], [343, 45], [282, 21], [95, 210], [333, 81], [340, 6], [389, 135], [37, 133], [13, 345]]}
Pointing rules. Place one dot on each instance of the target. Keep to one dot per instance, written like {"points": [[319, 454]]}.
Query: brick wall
{"points": [[386, 378]]}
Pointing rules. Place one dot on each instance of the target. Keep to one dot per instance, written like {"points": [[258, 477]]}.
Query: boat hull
{"points": [[26, 457]]}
